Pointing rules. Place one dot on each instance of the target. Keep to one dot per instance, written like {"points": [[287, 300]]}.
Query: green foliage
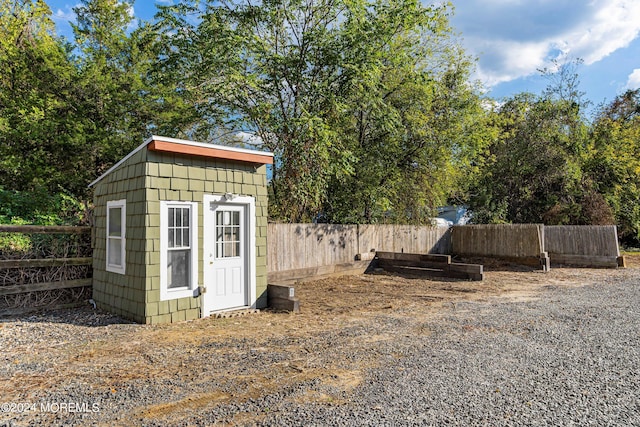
{"points": [[538, 168], [69, 111], [116, 95], [39, 207], [367, 105], [613, 161], [533, 173], [41, 132], [352, 97]]}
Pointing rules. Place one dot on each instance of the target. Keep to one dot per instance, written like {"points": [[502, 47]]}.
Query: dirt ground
{"points": [[142, 373]]}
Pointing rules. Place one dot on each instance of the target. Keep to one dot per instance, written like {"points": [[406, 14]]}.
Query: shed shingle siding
{"points": [[143, 180]]}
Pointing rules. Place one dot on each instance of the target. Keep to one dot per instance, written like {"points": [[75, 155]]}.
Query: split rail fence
{"points": [[44, 267]]}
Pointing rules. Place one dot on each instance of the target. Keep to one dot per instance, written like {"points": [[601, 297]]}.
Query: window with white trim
{"points": [[179, 249], [116, 228]]}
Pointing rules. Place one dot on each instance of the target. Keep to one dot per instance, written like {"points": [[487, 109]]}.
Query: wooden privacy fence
{"points": [[297, 251], [590, 245], [499, 240], [44, 267], [537, 244]]}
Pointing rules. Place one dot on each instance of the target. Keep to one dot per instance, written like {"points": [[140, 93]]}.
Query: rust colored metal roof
{"points": [[193, 148]]}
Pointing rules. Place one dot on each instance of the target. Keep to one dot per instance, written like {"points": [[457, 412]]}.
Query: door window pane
{"points": [[227, 234]]}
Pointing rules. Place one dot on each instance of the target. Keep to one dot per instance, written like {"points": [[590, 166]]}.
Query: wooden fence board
{"points": [[498, 240], [44, 262], [594, 261], [595, 240], [47, 286], [16, 298], [299, 246]]}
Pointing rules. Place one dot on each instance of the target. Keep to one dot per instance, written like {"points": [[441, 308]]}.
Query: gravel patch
{"points": [[568, 355], [569, 358]]}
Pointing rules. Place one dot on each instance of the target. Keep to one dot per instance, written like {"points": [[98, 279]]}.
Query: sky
{"points": [[513, 39]]}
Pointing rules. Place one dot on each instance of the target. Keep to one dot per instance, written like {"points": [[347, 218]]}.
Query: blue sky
{"points": [[512, 39]]}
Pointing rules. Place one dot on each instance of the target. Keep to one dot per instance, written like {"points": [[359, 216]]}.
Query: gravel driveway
{"points": [[555, 349]]}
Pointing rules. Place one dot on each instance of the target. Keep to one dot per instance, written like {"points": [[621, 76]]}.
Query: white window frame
{"points": [[115, 268], [188, 291]]}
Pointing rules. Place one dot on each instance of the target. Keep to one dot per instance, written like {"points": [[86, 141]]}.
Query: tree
{"points": [[64, 119], [613, 162], [40, 128], [534, 172], [111, 66], [271, 71], [537, 169], [344, 92], [414, 140]]}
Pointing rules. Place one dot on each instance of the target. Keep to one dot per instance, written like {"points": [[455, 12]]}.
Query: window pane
{"points": [[185, 237], [171, 234], [228, 250], [219, 253], [185, 217], [178, 213], [115, 252], [171, 215], [178, 238], [178, 268], [227, 234], [115, 221]]}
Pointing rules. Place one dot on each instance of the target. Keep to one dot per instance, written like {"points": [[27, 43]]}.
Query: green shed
{"points": [[180, 231]]}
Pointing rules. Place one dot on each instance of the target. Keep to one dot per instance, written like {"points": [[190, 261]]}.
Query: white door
{"points": [[225, 260], [228, 259]]}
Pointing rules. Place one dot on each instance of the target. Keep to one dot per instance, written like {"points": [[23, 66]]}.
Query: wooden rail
{"points": [[10, 290], [44, 262]]}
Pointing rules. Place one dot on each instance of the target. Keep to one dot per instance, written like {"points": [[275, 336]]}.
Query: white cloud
{"points": [[634, 79], [515, 38], [64, 15]]}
